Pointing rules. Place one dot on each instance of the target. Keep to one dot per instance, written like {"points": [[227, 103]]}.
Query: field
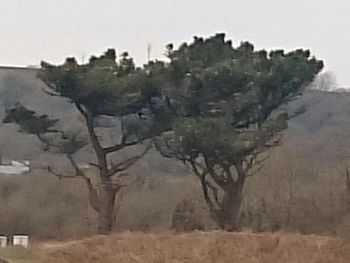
{"points": [[201, 247]]}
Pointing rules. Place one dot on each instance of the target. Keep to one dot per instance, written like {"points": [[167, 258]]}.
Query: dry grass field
{"points": [[198, 247]]}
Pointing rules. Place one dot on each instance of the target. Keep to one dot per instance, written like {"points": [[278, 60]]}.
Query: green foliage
{"points": [[40, 125], [225, 112], [29, 122], [223, 97], [102, 86]]}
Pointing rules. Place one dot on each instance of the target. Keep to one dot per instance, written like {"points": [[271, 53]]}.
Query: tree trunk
{"points": [[106, 209], [228, 213], [230, 210]]}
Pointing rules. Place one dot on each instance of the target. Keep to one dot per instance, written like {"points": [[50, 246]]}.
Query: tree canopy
{"points": [[226, 105], [103, 86]]}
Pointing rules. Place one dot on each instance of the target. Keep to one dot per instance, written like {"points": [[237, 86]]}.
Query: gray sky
{"points": [[53, 29]]}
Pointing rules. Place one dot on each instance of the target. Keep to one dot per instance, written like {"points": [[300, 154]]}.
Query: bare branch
{"points": [[207, 198], [195, 169], [77, 170], [101, 156], [124, 165], [227, 171], [118, 147], [82, 110], [255, 163], [241, 173], [219, 180], [206, 185], [94, 165], [51, 92], [255, 172], [215, 193], [213, 201]]}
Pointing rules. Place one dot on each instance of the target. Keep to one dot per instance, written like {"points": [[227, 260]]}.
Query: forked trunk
{"points": [[106, 209]]}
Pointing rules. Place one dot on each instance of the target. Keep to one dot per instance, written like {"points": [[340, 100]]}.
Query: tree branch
{"points": [[205, 184], [51, 92], [118, 147], [77, 170], [215, 193], [255, 172], [253, 163], [241, 173], [95, 165], [227, 171], [219, 180], [94, 198], [195, 169], [125, 164], [123, 144], [101, 156]]}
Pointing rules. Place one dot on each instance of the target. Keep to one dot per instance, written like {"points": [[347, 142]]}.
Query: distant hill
{"points": [[22, 86], [320, 134]]}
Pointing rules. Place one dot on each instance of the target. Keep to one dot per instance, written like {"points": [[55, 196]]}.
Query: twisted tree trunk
{"points": [[224, 197]]}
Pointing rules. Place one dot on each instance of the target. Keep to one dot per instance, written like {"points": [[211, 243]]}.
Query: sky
{"points": [[50, 30]]}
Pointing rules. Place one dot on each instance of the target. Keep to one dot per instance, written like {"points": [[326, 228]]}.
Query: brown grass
{"points": [[200, 247], [18, 255]]}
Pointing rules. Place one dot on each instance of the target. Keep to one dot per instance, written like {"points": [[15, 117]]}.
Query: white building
{"points": [[15, 168]]}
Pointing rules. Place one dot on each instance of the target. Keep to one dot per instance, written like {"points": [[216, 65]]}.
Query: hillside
{"points": [[22, 86], [324, 125], [301, 187], [321, 134]]}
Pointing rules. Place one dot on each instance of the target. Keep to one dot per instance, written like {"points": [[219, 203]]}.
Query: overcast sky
{"points": [[34, 30]]}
